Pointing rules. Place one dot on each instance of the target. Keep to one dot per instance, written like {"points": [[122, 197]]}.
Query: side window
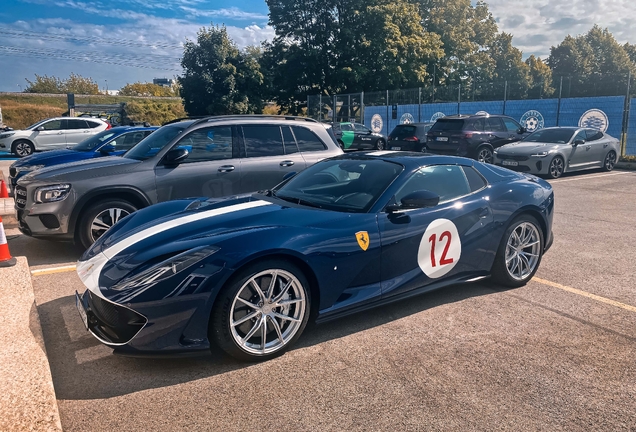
{"points": [[593, 135], [262, 140], [475, 180], [76, 124], [346, 127], [288, 141], [128, 141], [361, 128], [307, 140], [511, 125], [479, 125], [92, 124], [447, 181], [494, 124], [53, 125], [208, 144], [581, 135]]}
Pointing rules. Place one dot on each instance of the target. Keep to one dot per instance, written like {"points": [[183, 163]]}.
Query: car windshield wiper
{"points": [[298, 201]]}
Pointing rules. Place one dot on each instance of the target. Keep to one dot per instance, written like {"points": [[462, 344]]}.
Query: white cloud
{"points": [[540, 24], [233, 13]]}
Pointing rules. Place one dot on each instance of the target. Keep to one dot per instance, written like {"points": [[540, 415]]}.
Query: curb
{"points": [[626, 165], [27, 395]]}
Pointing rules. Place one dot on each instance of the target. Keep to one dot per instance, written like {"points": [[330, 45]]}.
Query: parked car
{"points": [[409, 137], [355, 136], [473, 136], [211, 157], [50, 134], [111, 142], [245, 275], [557, 150]]}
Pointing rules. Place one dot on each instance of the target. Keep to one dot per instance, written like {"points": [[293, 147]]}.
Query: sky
{"points": [[116, 42]]}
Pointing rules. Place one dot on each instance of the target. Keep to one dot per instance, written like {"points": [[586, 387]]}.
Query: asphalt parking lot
{"points": [[557, 354]]}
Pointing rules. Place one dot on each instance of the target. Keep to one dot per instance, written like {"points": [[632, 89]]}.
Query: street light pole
{"points": [[20, 87], [106, 85]]}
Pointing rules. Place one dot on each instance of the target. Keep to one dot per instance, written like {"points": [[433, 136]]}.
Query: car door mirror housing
{"points": [[175, 156], [107, 149], [578, 142], [416, 200], [522, 130], [40, 128]]}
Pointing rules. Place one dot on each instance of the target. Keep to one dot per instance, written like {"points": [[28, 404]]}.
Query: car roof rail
{"points": [[262, 116], [177, 120]]}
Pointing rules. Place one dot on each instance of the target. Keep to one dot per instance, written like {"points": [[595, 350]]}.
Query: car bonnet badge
{"points": [[363, 239]]}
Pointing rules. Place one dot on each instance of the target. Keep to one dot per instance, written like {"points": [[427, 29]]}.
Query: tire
{"points": [[556, 167], [380, 144], [508, 268], [485, 154], [22, 148], [108, 213], [232, 338], [610, 161], [424, 149]]}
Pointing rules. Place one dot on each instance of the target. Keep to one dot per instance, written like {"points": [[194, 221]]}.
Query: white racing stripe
{"points": [[89, 271], [382, 153]]}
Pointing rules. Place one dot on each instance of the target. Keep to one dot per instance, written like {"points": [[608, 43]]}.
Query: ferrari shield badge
{"points": [[363, 239]]}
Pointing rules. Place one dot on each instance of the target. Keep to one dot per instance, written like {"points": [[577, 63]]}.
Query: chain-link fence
{"points": [[602, 102]]}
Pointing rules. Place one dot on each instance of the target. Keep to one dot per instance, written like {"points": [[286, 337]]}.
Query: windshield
{"points": [[344, 185], [403, 132], [95, 141], [157, 140], [551, 136], [448, 124], [34, 125]]}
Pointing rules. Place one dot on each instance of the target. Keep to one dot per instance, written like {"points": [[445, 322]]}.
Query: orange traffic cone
{"points": [[4, 193], [6, 260]]}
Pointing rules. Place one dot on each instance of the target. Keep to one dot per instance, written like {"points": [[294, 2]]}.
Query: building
{"points": [[164, 82]]}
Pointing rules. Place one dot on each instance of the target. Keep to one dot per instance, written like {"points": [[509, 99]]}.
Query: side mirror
{"points": [[522, 130], [175, 156], [578, 142], [40, 128], [416, 200], [107, 149]]}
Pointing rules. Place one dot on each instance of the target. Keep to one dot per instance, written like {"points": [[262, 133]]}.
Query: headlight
{"points": [[6, 135], [166, 269], [28, 168], [54, 193], [540, 154]]}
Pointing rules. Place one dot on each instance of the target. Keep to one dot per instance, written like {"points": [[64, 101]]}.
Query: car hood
{"points": [[53, 157], [158, 232], [80, 170], [526, 148]]}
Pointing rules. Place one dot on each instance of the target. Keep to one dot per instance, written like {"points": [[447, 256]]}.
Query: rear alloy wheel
{"points": [[263, 312], [519, 253], [379, 144], [100, 217], [23, 148], [484, 154], [610, 161], [557, 166]]}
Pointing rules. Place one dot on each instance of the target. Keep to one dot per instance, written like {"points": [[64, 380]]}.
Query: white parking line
{"points": [[590, 177], [51, 270]]}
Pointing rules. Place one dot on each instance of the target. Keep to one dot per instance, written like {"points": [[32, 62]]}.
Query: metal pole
{"points": [[433, 96], [459, 98], [505, 96], [387, 112], [319, 106], [349, 107], [628, 103], [419, 104], [559, 104], [334, 109], [362, 107]]}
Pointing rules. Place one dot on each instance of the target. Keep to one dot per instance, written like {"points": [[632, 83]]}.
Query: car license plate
{"points": [[510, 163], [81, 310], [396, 148], [442, 138]]}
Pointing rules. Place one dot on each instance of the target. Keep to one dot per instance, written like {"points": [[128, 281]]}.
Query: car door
{"points": [[514, 130], [212, 169], [75, 131], [581, 154], [599, 144], [497, 132], [51, 136], [448, 240], [265, 160], [362, 137], [348, 135]]}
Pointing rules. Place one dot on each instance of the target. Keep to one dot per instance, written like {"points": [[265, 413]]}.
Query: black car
{"points": [[473, 136], [355, 136], [409, 137]]}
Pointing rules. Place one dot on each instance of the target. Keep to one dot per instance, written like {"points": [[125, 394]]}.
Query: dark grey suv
{"points": [[212, 157], [473, 136]]}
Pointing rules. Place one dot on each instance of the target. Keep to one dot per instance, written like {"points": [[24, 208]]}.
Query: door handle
{"points": [[286, 163], [226, 168], [60, 133], [484, 213], [605, 145]]}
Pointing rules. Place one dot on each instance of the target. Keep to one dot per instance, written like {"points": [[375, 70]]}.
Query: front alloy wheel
{"points": [[485, 155], [106, 219], [557, 166], [379, 144], [23, 148]]}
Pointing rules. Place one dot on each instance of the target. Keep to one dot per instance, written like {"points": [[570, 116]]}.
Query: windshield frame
{"points": [[305, 199], [35, 125], [573, 132], [158, 135]]}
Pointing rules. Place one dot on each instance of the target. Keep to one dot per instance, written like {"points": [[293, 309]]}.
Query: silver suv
{"points": [[212, 157]]}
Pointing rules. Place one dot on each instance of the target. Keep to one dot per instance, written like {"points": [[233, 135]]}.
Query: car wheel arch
{"points": [[15, 142], [124, 193], [534, 212]]}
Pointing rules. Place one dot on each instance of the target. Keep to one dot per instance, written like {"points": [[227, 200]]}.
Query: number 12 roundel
{"points": [[440, 248]]}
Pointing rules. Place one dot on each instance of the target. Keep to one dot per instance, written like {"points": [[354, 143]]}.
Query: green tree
{"points": [[44, 84], [148, 89], [73, 84], [216, 75], [630, 49], [509, 66], [80, 85], [540, 78]]}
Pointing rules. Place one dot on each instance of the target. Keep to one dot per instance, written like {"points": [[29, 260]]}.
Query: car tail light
{"points": [[108, 126], [412, 139]]}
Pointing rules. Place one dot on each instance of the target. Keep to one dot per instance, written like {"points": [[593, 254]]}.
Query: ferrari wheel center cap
{"points": [[267, 308]]}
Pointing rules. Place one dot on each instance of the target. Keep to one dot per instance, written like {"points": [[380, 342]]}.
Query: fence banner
{"points": [[630, 147]]}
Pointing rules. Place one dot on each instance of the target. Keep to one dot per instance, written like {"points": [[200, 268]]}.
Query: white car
{"points": [[50, 134]]}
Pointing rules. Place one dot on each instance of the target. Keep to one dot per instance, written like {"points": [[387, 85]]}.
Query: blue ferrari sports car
{"points": [[246, 274], [111, 142]]}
